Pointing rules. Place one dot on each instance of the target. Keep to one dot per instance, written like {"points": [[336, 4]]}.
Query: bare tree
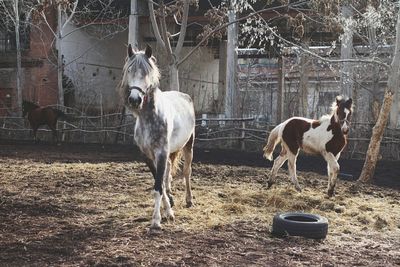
{"points": [[10, 12], [178, 10], [82, 13], [377, 132]]}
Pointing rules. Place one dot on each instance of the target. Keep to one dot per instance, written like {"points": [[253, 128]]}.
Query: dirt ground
{"points": [[90, 205]]}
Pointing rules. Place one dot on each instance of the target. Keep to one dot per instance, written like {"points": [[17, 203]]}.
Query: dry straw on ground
{"points": [[77, 213]]}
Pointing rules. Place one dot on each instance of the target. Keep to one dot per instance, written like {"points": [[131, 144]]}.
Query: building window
{"points": [[7, 38]]}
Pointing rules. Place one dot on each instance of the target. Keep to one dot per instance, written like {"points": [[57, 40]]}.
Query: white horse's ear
{"points": [[148, 52], [131, 50]]}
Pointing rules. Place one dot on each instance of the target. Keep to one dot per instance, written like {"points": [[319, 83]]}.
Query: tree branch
{"points": [[70, 16], [155, 25], [8, 13], [181, 39], [48, 24], [222, 27], [164, 31], [369, 61]]}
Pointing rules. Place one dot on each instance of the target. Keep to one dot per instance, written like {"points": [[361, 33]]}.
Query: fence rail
{"points": [[240, 133]]}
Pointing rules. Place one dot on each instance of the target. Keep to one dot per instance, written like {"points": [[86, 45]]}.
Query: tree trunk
{"points": [[134, 25], [173, 78], [60, 57], [394, 112], [19, 68], [222, 77], [374, 108], [304, 73], [346, 74], [379, 128], [281, 91], [374, 145], [231, 59]]}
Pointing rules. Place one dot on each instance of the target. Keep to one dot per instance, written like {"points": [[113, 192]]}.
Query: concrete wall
{"points": [[97, 66], [199, 78], [94, 67]]}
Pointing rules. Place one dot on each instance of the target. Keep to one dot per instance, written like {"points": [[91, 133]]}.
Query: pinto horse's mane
{"points": [[334, 107]]}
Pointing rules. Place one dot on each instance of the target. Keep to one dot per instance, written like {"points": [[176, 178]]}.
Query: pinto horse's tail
{"points": [[176, 159], [273, 140]]}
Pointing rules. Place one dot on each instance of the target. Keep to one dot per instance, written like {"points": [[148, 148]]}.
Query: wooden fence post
{"points": [[243, 135]]}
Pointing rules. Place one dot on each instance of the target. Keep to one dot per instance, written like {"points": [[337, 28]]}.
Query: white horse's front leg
{"points": [[168, 212], [156, 220], [161, 164]]}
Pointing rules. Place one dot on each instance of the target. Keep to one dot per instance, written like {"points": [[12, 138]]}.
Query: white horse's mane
{"points": [[147, 65]]}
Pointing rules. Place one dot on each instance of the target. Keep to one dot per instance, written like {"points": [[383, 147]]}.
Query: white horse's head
{"points": [[140, 76], [343, 110]]}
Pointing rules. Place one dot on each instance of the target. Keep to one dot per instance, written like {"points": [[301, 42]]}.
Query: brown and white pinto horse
{"points": [[326, 136]]}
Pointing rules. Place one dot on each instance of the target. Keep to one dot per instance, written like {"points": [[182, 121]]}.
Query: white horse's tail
{"points": [[273, 139], [176, 160]]}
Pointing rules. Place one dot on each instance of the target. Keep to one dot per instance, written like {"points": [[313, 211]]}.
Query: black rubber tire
{"points": [[300, 224]]}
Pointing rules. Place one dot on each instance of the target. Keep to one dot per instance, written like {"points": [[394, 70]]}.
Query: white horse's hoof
{"points": [[155, 226], [169, 215], [331, 192], [189, 204]]}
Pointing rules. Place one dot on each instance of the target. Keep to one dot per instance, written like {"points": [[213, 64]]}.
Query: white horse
{"points": [[326, 136], [165, 123]]}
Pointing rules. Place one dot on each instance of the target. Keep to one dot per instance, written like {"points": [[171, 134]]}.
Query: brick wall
{"points": [[40, 84], [39, 71]]}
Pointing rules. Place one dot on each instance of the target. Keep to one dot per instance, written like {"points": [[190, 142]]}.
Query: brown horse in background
{"points": [[38, 116]]}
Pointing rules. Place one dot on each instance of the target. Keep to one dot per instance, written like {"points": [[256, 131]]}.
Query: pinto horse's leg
{"points": [[333, 170], [161, 164], [278, 162], [292, 170], [187, 170]]}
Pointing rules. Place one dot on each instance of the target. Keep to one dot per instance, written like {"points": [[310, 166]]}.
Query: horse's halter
{"points": [[141, 91], [137, 88]]}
